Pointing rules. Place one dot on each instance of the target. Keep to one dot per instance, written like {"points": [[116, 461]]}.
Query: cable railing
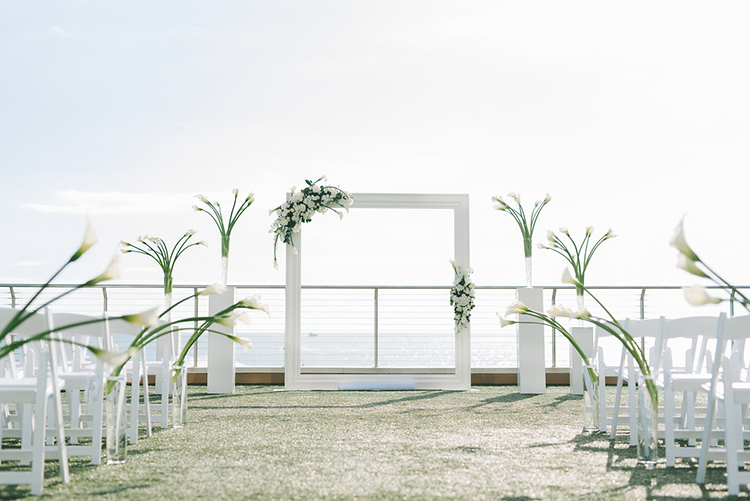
{"points": [[372, 327]]}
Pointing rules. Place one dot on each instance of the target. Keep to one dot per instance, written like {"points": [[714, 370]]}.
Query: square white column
{"points": [[221, 354], [532, 374]]}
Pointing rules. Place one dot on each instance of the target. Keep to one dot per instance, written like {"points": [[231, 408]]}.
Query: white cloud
{"points": [[113, 202], [28, 263]]}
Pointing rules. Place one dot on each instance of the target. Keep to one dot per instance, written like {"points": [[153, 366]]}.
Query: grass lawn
{"points": [[489, 443]]}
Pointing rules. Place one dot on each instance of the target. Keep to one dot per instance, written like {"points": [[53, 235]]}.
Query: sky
{"points": [[630, 115]]}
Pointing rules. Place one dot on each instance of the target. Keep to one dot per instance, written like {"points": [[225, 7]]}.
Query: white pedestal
{"points": [[220, 348], [532, 375], [584, 336]]}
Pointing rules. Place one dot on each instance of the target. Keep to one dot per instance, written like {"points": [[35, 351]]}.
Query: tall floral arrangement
{"points": [[213, 209], [302, 206], [157, 249], [689, 261], [577, 254], [462, 296], [526, 225]]}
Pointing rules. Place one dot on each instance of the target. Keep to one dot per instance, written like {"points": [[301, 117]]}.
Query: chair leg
{"points": [[669, 422], [633, 409], [733, 444], [146, 402]]}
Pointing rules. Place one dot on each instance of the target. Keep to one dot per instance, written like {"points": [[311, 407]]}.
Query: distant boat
{"points": [[312, 334]]}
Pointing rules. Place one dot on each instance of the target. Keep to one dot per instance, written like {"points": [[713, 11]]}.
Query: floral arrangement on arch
{"points": [[302, 206], [462, 296]]}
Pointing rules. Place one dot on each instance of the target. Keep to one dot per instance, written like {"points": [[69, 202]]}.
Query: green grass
{"points": [[489, 443]]}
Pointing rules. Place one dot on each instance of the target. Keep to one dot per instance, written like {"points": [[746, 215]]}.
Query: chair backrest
{"points": [[693, 334], [26, 358], [92, 332]]}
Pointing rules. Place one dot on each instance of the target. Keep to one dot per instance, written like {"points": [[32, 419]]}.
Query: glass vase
{"points": [[590, 401], [224, 259], [224, 269], [528, 271], [116, 423], [647, 422], [178, 394]]}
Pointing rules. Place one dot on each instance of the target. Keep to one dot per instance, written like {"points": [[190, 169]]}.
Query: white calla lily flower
{"points": [[697, 295], [678, 242]]}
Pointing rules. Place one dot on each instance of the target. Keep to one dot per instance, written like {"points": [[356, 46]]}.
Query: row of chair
{"points": [[34, 377], [699, 367]]}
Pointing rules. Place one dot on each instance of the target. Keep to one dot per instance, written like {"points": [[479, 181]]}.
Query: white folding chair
{"points": [[645, 333], [690, 335], [736, 401], [609, 359], [136, 371], [732, 340], [32, 396], [82, 376]]}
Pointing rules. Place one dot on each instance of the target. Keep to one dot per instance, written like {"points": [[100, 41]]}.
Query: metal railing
{"points": [[373, 326]]}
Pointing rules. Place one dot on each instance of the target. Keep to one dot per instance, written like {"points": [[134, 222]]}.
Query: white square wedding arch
{"points": [[458, 379]]}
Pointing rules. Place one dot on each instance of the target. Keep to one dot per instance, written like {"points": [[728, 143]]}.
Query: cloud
{"points": [[28, 263], [113, 203]]}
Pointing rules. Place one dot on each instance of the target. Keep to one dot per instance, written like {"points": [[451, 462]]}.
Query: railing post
{"points": [[375, 327], [12, 297], [731, 302], [554, 332], [105, 299], [195, 325], [643, 303]]}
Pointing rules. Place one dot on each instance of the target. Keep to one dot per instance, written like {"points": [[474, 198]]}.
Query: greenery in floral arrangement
{"points": [[154, 328], [156, 249], [214, 211], [525, 225], [689, 261], [579, 255], [462, 296], [302, 205], [29, 309]]}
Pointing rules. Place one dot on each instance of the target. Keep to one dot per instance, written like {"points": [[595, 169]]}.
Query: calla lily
{"points": [[231, 319], [516, 307], [146, 318], [581, 313], [568, 278], [89, 239], [112, 272], [690, 266], [558, 311], [246, 344], [114, 359], [679, 242], [589, 230], [503, 321], [698, 296], [214, 289], [515, 197], [253, 302]]}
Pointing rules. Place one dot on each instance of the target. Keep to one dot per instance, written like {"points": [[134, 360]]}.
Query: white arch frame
{"points": [[294, 379]]}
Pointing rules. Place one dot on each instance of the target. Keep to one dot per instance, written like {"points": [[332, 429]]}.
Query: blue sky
{"points": [[629, 115]]}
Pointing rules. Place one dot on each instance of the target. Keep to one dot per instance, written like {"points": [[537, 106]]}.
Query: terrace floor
{"points": [[488, 443]]}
